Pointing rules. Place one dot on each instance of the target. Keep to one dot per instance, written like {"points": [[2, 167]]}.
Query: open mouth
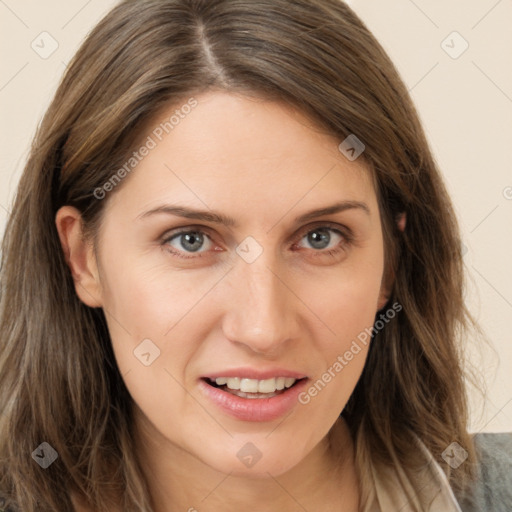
{"points": [[252, 394]]}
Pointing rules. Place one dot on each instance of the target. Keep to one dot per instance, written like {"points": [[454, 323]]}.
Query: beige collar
{"points": [[428, 490]]}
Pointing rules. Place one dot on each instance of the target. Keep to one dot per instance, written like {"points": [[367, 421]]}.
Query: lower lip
{"points": [[254, 409]]}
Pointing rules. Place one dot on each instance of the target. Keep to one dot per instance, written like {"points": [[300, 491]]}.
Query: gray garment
{"points": [[492, 491]]}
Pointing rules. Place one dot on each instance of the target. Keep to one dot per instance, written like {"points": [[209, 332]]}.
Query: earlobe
{"points": [[79, 256], [383, 298], [401, 221]]}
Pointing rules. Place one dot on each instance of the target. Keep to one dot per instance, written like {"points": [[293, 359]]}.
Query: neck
{"points": [[325, 480]]}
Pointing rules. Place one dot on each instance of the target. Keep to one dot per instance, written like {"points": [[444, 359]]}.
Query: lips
{"points": [[249, 406]]}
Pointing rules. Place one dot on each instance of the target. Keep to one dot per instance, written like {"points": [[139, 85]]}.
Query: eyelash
{"points": [[346, 242]]}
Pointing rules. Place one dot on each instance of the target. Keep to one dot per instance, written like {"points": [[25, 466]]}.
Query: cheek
{"points": [[346, 304], [149, 299], [152, 314], [151, 338], [347, 300], [137, 311]]}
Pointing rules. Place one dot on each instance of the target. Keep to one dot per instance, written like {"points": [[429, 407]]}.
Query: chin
{"points": [[249, 461]]}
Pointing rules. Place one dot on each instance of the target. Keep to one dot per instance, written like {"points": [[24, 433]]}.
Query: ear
{"points": [[388, 277], [79, 255]]}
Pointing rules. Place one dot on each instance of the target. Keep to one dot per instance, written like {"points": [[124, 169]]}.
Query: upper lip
{"points": [[255, 373]]}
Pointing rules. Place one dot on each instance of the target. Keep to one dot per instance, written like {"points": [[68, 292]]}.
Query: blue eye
{"points": [[188, 241], [320, 238]]}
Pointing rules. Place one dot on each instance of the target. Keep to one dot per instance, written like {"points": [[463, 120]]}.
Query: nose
{"points": [[261, 312]]}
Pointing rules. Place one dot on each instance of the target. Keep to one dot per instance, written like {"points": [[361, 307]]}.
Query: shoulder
{"points": [[492, 491]]}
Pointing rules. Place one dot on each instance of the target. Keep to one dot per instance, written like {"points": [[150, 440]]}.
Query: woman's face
{"points": [[216, 260]]}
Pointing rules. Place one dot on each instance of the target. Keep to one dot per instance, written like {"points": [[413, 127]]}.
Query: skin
{"points": [[263, 164]]}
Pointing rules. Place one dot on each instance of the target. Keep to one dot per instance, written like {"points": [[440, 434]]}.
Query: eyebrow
{"points": [[218, 218]]}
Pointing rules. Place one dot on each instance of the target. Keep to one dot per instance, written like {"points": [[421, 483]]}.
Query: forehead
{"points": [[241, 154]]}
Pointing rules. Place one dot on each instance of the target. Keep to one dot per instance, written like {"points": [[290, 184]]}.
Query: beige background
{"points": [[465, 104]]}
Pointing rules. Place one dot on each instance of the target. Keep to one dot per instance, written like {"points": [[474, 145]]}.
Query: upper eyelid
{"points": [[319, 224], [169, 235]]}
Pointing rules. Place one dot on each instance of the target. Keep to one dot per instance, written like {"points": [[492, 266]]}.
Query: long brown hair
{"points": [[59, 382]]}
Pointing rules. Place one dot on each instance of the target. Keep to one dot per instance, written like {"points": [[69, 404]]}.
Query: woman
{"points": [[241, 278]]}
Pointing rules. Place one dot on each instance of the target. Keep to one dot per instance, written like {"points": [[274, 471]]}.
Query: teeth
{"points": [[289, 381], [233, 382], [267, 385], [256, 386]]}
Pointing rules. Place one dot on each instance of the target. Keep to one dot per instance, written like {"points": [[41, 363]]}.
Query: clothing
{"points": [[493, 489], [491, 492]]}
